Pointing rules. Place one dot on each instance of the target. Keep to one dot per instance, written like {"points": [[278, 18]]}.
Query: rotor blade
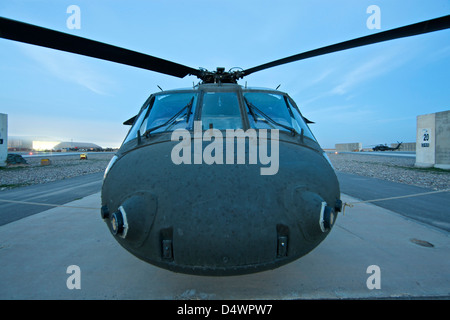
{"points": [[28, 33], [407, 31]]}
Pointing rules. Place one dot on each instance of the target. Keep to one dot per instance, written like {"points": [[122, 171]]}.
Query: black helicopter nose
{"points": [[219, 219], [217, 238]]}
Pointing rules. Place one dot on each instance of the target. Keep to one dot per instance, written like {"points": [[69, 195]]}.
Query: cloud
{"points": [[439, 54], [343, 77], [69, 67], [383, 63], [362, 73]]}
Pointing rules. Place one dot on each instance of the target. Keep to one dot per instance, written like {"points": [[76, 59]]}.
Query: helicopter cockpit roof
{"points": [[220, 87]]}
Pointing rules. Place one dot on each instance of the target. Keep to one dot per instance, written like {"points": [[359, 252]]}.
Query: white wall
{"points": [[434, 151], [3, 139]]}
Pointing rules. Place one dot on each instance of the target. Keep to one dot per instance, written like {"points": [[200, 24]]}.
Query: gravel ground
{"points": [[61, 167], [397, 169]]}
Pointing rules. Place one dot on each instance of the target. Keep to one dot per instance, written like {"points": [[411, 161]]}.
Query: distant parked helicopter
{"points": [[223, 217], [383, 147]]}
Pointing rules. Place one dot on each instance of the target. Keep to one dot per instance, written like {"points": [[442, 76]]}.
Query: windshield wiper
{"points": [[252, 107], [189, 106]]}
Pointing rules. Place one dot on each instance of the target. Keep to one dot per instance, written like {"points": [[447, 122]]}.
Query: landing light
{"points": [[327, 217], [119, 223]]}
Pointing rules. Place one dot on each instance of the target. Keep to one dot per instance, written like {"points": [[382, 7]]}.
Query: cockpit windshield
{"points": [[165, 112], [219, 110], [169, 112], [274, 111]]}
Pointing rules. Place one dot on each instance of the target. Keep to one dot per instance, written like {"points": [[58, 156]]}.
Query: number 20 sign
{"points": [[425, 138]]}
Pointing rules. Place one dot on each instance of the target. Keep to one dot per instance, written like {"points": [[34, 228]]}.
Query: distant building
{"points": [[46, 144], [77, 145], [20, 143], [354, 146]]}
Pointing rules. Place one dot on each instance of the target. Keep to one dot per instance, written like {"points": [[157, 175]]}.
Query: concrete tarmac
{"points": [[57, 192], [36, 251], [432, 209]]}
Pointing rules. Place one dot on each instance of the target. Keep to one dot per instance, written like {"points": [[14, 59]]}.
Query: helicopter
{"points": [[383, 147], [218, 179]]}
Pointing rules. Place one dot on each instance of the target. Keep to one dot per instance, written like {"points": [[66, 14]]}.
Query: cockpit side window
{"points": [[300, 122], [132, 134], [220, 110]]}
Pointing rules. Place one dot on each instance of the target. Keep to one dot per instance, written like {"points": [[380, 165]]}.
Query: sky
{"points": [[370, 95]]}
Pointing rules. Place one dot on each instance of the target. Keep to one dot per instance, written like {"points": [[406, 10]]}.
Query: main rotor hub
{"points": [[220, 75]]}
